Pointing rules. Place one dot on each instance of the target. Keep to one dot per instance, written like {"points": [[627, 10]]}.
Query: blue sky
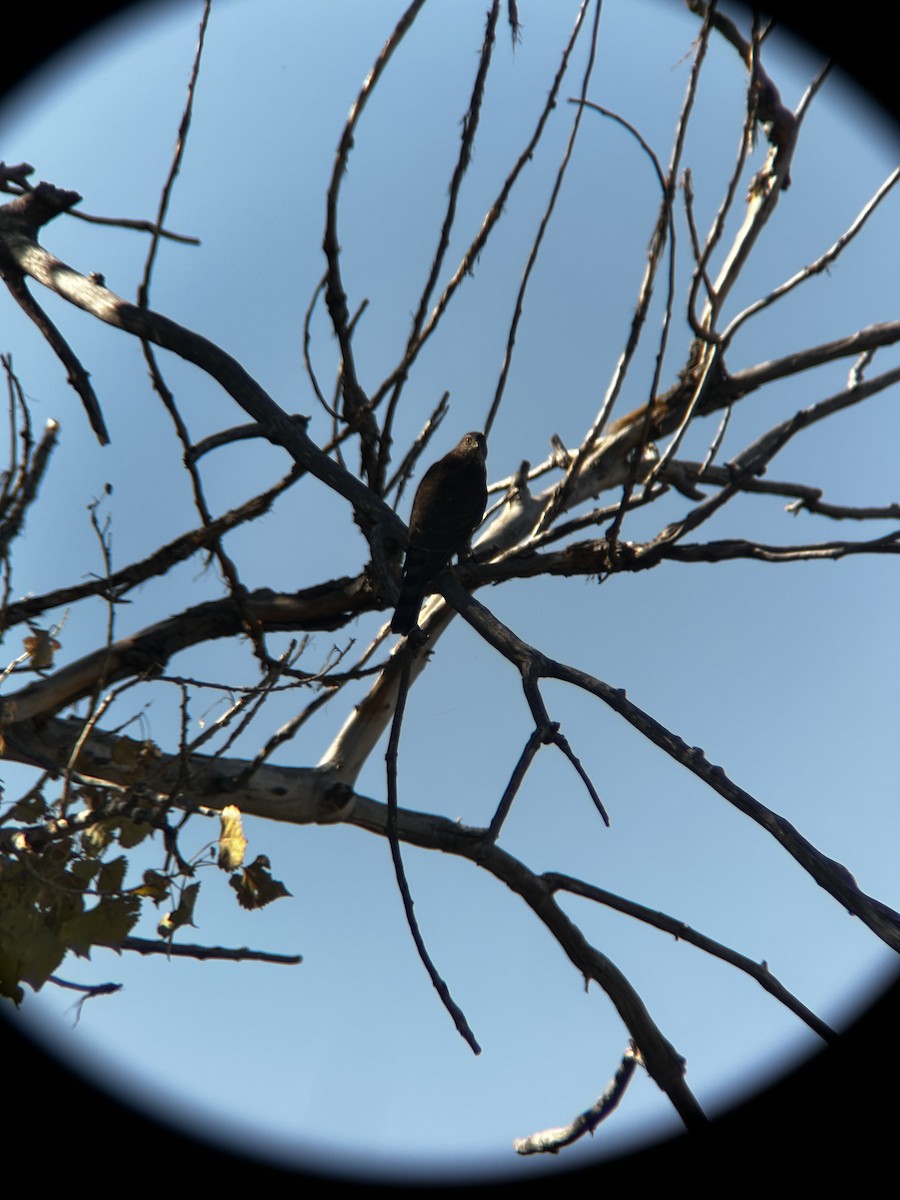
{"points": [[786, 675]]}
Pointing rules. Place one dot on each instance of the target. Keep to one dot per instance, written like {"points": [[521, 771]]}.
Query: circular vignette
{"points": [[813, 1123]]}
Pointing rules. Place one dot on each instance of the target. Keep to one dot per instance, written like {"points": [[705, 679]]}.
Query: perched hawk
{"points": [[447, 510]]}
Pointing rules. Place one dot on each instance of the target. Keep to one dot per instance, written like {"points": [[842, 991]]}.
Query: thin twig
{"points": [[542, 228], [456, 1013], [662, 230], [467, 142], [221, 953], [684, 933], [491, 218], [357, 409]]}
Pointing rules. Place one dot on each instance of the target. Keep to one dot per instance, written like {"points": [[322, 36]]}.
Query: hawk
{"points": [[446, 511]]}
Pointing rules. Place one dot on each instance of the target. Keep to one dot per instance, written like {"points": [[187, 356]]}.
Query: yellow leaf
{"points": [[232, 842], [182, 915], [41, 647], [155, 887]]}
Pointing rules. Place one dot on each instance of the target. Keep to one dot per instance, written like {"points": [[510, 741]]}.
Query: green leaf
{"points": [[30, 947], [96, 838], [123, 830], [131, 833], [106, 924], [255, 887], [9, 976], [29, 809], [84, 869], [112, 875]]}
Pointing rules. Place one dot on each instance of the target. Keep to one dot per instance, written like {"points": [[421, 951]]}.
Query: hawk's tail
{"points": [[407, 611], [412, 593]]}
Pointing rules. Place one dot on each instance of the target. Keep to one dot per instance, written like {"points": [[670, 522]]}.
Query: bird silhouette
{"points": [[447, 509]]}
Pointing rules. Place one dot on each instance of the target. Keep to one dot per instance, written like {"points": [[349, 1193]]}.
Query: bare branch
{"points": [[325, 606], [299, 795], [870, 337], [177, 156], [831, 875], [822, 263], [527, 757], [754, 459], [682, 932], [807, 496], [171, 949], [732, 548], [120, 582], [19, 222], [663, 1062], [27, 483]]}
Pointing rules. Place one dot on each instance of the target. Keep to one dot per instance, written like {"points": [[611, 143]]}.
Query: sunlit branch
{"points": [[146, 653], [822, 263], [753, 460], [551, 1141], [75, 372], [805, 496]]}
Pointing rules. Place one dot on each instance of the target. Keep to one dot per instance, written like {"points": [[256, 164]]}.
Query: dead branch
{"points": [[663, 1062], [145, 654], [533, 665]]}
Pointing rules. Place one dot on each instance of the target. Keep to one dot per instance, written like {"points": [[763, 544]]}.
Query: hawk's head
{"points": [[473, 445]]}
